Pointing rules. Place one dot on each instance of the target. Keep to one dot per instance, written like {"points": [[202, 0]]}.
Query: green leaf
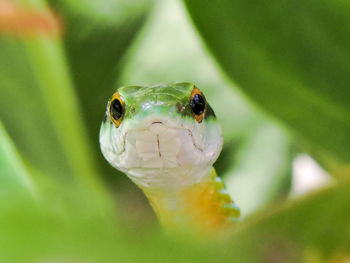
{"points": [[317, 224], [291, 57], [14, 177], [262, 168], [24, 112], [41, 111]]}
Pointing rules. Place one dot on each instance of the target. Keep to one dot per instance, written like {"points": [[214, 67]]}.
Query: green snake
{"points": [[166, 138]]}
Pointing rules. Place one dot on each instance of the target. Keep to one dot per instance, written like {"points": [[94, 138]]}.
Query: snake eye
{"points": [[198, 104], [116, 109]]}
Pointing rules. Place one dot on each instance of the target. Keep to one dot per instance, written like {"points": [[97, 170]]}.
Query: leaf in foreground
{"points": [[291, 57]]}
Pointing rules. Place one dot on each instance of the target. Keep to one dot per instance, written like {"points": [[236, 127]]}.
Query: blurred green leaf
{"points": [[14, 177], [41, 112], [262, 168], [317, 223], [291, 57], [24, 112]]}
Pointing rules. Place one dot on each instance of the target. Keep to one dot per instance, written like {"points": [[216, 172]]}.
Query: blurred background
{"points": [[277, 75]]}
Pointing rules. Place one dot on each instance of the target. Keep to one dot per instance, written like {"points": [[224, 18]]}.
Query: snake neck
{"points": [[203, 208]]}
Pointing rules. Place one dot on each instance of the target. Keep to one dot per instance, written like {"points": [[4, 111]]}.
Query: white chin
{"points": [[160, 147]]}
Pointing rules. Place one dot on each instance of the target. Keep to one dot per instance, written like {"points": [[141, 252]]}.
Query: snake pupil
{"points": [[197, 104], [116, 109]]}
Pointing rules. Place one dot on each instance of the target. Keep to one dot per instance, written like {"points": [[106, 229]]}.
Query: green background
{"points": [[276, 74]]}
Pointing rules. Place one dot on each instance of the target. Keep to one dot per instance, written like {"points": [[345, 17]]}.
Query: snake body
{"points": [[166, 139]]}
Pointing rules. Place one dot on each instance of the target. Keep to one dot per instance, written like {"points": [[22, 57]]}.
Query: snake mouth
{"points": [[190, 133], [158, 144]]}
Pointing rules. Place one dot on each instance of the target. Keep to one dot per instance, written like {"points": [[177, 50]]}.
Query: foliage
{"points": [[57, 193], [292, 57]]}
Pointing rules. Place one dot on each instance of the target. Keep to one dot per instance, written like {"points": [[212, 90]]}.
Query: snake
{"points": [[166, 138]]}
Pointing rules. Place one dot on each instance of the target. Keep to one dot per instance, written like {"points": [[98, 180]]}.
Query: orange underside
{"points": [[202, 209]]}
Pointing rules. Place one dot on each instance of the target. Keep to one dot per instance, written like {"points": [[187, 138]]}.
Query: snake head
{"points": [[162, 137]]}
